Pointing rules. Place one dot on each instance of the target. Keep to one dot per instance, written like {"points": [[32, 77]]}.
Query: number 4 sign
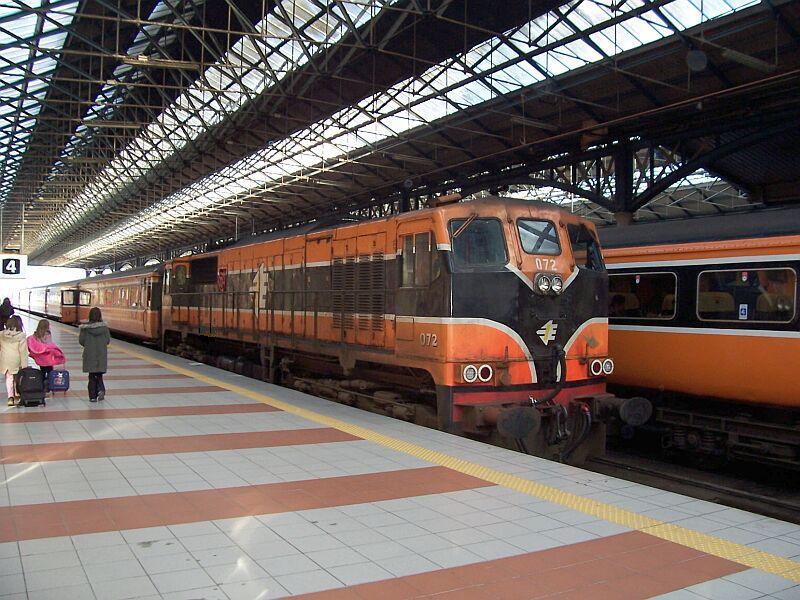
{"points": [[12, 266]]}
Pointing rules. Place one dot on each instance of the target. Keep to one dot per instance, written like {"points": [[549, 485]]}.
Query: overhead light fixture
{"points": [[748, 61], [533, 123], [404, 157], [142, 60], [98, 123]]}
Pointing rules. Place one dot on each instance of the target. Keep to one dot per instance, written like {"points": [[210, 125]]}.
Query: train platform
{"points": [[189, 482]]}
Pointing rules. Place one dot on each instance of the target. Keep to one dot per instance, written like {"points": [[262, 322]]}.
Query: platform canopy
{"points": [[135, 130]]}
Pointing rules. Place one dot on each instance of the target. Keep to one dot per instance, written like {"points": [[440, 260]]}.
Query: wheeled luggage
{"points": [[30, 386], [58, 380]]}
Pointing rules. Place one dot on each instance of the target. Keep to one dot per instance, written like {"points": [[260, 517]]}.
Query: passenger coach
{"points": [[704, 320]]}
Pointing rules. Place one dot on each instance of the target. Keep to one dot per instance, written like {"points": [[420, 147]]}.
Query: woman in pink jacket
{"points": [[43, 350]]}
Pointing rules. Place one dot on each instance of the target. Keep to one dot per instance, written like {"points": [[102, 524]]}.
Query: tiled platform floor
{"points": [[221, 487]]}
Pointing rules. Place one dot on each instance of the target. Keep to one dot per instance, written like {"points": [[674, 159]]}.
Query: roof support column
{"points": [[623, 184]]}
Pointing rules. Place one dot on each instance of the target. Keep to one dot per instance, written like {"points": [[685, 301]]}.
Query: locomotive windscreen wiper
{"points": [[464, 225]]}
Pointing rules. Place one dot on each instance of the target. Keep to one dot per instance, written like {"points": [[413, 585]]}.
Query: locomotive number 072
{"points": [[428, 339]]}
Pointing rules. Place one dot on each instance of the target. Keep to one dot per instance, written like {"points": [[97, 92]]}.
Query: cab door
{"points": [[416, 249]]}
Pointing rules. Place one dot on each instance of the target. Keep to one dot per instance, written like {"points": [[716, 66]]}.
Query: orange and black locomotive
{"points": [[485, 317]]}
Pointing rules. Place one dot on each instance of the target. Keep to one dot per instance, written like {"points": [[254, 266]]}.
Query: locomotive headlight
{"points": [[608, 366], [543, 283], [596, 367], [470, 373], [557, 284], [485, 373]]}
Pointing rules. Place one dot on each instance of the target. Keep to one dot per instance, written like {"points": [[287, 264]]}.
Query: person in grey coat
{"points": [[95, 337]]}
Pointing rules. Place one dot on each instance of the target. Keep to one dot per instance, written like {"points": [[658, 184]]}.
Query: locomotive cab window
{"points": [[477, 243], [752, 295], [68, 297], [539, 237], [642, 295], [585, 249]]}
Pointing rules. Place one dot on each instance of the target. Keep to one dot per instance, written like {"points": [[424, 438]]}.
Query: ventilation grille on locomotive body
{"points": [[359, 292]]}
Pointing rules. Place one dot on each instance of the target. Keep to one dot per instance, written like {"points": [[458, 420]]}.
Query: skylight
{"points": [[540, 50]]}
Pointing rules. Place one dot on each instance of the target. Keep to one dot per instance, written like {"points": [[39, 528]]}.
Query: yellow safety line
{"points": [[739, 553]]}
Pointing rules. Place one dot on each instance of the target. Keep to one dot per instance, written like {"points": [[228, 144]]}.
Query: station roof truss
{"points": [[145, 128]]}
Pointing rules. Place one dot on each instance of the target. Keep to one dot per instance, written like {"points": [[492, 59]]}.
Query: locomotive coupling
{"points": [[634, 411]]}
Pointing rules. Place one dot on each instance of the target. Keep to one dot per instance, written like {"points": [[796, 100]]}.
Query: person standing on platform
{"points": [[95, 337], [6, 310], [13, 355], [43, 350]]}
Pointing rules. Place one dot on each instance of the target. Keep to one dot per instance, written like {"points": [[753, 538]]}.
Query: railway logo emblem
{"points": [[548, 332]]}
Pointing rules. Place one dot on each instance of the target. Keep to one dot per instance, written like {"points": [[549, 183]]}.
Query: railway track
{"points": [[777, 499]]}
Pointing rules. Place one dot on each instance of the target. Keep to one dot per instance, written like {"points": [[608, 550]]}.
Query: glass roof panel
{"points": [[285, 54], [410, 104], [32, 42]]}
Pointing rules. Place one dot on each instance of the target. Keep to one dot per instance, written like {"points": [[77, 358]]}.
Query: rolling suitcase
{"points": [[30, 386], [58, 380]]}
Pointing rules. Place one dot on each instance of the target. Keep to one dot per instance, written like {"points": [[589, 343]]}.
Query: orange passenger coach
{"points": [[709, 330]]}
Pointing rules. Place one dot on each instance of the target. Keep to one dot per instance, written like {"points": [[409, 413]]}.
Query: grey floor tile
{"points": [[721, 588], [209, 593], [174, 581], [311, 581], [241, 570], [114, 570], [335, 557], [263, 589], [766, 583], [452, 557], [409, 564], [73, 592], [55, 578], [288, 565], [359, 573], [124, 588]]}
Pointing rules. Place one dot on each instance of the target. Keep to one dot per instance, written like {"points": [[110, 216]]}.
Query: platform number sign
{"points": [[12, 265]]}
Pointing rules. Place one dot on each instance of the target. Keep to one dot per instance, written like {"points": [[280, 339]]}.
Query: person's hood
{"points": [[94, 328], [13, 335]]}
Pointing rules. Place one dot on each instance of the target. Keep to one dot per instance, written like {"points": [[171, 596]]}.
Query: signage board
{"points": [[13, 266]]}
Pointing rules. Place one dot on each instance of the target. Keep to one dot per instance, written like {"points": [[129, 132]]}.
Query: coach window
{"points": [[477, 243], [642, 295], [85, 298], [539, 237], [752, 295], [68, 297]]}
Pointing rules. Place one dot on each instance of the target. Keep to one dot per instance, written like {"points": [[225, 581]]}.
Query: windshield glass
{"points": [[585, 249], [477, 242], [538, 237]]}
